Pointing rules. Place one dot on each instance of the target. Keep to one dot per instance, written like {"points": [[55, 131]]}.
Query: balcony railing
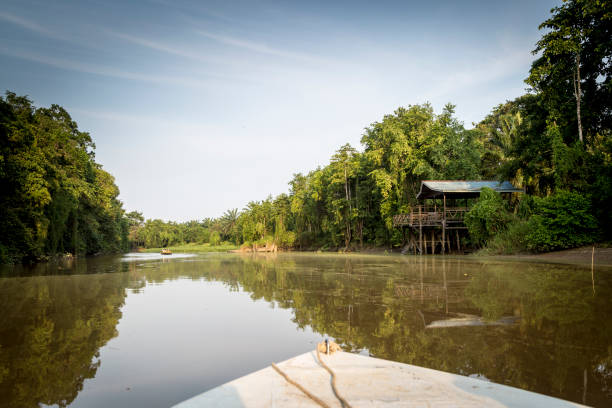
{"points": [[431, 216]]}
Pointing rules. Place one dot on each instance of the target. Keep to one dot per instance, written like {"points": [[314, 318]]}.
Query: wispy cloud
{"points": [[33, 26], [164, 47], [97, 69], [189, 9], [27, 24], [261, 48], [252, 75]]}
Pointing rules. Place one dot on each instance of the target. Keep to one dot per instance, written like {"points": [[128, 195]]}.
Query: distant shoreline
{"points": [[575, 256]]}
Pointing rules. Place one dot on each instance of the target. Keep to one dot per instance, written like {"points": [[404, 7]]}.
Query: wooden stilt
{"points": [[443, 237]]}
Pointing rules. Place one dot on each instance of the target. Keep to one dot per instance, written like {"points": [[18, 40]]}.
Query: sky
{"points": [[196, 107]]}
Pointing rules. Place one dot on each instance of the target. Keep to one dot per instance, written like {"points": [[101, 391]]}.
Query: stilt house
{"points": [[440, 214]]}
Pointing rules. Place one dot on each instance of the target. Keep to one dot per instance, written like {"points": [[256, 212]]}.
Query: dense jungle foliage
{"points": [[555, 142], [55, 198]]}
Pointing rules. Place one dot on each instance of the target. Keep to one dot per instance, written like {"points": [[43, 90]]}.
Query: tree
{"points": [[54, 197], [414, 144], [228, 221], [576, 64], [487, 217], [343, 167]]}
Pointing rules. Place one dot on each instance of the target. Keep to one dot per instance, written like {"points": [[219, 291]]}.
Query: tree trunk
{"points": [[346, 188], [347, 238], [578, 95]]}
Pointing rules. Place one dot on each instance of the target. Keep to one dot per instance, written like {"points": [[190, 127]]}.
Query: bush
{"points": [[512, 240], [286, 239], [562, 220], [267, 240], [487, 217]]}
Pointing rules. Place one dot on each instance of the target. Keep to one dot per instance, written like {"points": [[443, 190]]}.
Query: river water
{"points": [[142, 330]]}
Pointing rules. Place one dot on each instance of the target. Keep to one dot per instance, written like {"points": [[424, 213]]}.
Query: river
{"points": [[142, 330]]}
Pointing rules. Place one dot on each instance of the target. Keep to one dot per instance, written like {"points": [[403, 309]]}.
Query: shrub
{"points": [[562, 220], [487, 217], [267, 240], [512, 240], [286, 239]]}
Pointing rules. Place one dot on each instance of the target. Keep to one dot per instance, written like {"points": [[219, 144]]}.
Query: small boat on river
{"points": [[166, 251], [363, 382]]}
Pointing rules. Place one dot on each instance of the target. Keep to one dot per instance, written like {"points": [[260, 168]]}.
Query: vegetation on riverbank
{"points": [[555, 142], [539, 224], [196, 248], [54, 197]]}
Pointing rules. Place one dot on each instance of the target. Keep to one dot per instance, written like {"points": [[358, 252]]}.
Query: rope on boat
{"points": [[304, 390], [343, 402]]}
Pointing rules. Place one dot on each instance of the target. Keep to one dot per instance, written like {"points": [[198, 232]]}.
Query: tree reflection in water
{"points": [[52, 327], [561, 344]]}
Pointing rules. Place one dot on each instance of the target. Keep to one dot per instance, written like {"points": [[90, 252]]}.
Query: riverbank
{"points": [[195, 248], [577, 256]]}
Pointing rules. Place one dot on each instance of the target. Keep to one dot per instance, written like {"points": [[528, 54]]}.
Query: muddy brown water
{"points": [[145, 331]]}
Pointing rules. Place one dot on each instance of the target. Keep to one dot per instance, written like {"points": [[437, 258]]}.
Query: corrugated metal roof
{"points": [[463, 188]]}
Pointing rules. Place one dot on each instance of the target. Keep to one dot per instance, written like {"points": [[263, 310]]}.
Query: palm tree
{"points": [[228, 222]]}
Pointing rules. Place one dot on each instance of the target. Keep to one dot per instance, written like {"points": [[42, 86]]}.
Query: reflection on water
{"points": [[147, 256], [143, 330], [51, 329]]}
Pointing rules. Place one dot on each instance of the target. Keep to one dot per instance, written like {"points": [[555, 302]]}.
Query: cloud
{"points": [[27, 24], [254, 72], [98, 69], [262, 48], [167, 48], [32, 26], [201, 56]]}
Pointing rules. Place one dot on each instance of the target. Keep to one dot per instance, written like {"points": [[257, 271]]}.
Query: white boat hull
{"points": [[365, 382]]}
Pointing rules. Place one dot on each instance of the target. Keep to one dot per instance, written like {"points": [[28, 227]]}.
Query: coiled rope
{"points": [[313, 397]]}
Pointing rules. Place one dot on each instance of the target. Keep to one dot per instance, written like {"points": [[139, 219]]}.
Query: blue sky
{"points": [[196, 107]]}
